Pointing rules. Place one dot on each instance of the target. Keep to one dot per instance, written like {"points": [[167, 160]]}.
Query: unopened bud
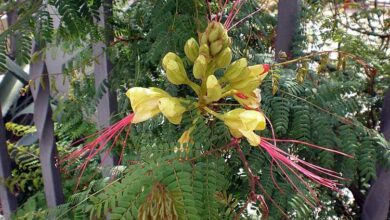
{"points": [[204, 50], [200, 67], [224, 58], [174, 68], [191, 49], [213, 35], [214, 90], [203, 38], [215, 30], [226, 39], [216, 47]]}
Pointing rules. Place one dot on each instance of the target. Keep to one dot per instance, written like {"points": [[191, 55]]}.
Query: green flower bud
{"points": [[191, 49], [174, 68], [204, 50], [200, 67], [216, 47], [235, 69], [214, 31], [226, 39], [224, 58], [214, 90], [203, 38]]}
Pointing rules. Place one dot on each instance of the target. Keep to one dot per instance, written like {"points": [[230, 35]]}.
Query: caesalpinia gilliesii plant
{"points": [[212, 52], [239, 81]]}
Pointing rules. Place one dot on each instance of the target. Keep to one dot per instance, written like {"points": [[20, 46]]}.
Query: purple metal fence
{"points": [[7, 199], [45, 129]]}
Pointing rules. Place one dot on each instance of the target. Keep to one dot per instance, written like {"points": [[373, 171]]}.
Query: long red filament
{"points": [[308, 144], [93, 148], [276, 154]]}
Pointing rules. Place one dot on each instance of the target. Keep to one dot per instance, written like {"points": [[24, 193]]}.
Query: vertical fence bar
{"points": [[107, 105], [377, 203], [7, 200], [45, 129], [288, 13]]}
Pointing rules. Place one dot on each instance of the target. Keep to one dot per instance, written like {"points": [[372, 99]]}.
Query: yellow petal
{"points": [[235, 69], [260, 71], [249, 100], [141, 116], [262, 123], [252, 137], [251, 119], [175, 119], [232, 118], [144, 102], [167, 107], [235, 133], [172, 109]]}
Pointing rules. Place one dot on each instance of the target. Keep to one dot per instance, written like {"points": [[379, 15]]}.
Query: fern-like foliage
{"points": [[202, 179], [180, 190]]}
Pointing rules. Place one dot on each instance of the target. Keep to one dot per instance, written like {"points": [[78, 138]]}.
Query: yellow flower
{"points": [[214, 90], [174, 67], [172, 109], [248, 100], [144, 102], [243, 122]]}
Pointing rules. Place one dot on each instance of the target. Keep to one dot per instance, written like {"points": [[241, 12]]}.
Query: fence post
{"points": [[45, 129], [107, 105], [377, 203], [288, 13], [7, 200]]}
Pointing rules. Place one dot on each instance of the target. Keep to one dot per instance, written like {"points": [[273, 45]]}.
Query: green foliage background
{"points": [[333, 107]]}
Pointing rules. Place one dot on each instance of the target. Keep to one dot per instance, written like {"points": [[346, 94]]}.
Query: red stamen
{"points": [[310, 145], [236, 8], [243, 19], [123, 146], [98, 145], [223, 9], [278, 156]]}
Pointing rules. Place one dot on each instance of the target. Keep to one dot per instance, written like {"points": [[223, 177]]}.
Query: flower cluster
{"points": [[240, 81]]}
